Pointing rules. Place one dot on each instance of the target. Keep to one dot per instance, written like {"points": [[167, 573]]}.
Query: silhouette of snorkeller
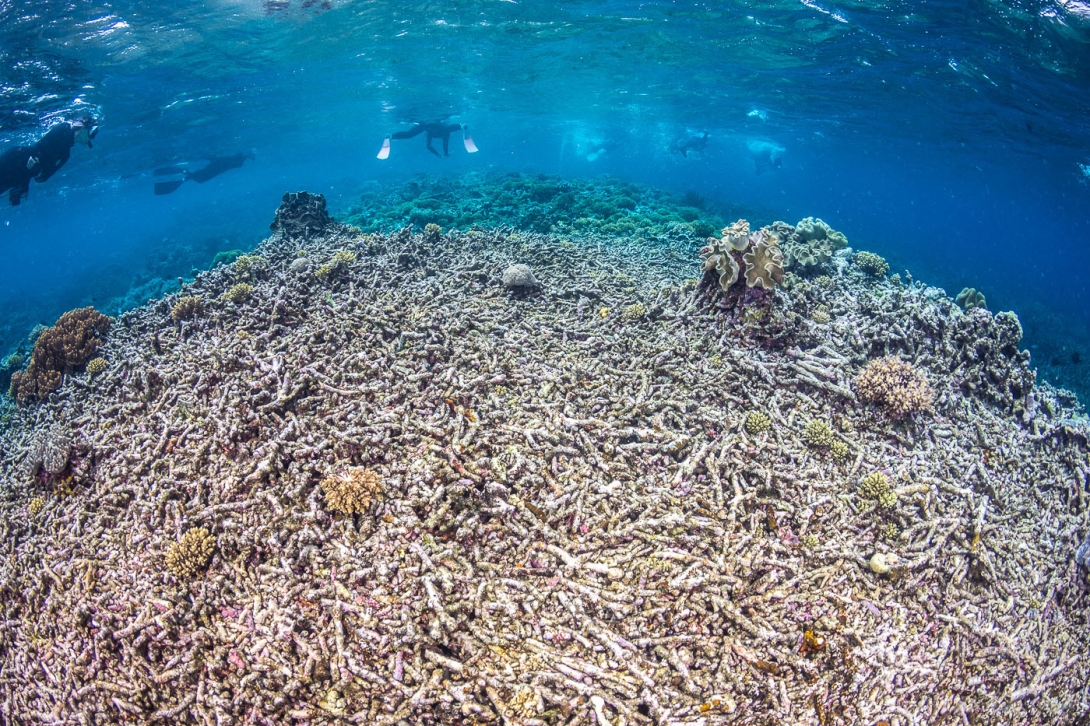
{"points": [[433, 130], [692, 142], [766, 155], [20, 164], [169, 178]]}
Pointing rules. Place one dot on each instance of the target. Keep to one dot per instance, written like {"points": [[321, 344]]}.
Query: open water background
{"points": [[945, 136]]}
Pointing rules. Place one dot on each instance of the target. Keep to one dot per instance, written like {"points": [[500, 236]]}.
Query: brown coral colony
{"points": [[895, 385], [761, 256], [59, 351]]}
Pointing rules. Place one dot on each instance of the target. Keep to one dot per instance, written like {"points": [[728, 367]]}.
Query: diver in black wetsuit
{"points": [[692, 142], [169, 178], [434, 130], [20, 164]]}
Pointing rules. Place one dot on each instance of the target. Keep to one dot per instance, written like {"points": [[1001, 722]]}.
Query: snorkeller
{"points": [[692, 142], [20, 164], [432, 130], [169, 178], [766, 155]]}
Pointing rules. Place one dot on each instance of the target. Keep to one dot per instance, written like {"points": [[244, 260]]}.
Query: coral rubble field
{"points": [[355, 477]]}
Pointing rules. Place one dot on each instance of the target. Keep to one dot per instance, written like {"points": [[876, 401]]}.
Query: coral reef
{"points": [[239, 293], [35, 506], [187, 308], [870, 263], [600, 207], [301, 214], [895, 385], [188, 557], [576, 525], [519, 276], [970, 298], [59, 350], [351, 491], [247, 266], [96, 366], [875, 486]]}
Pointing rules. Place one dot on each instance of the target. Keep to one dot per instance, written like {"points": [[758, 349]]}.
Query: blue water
{"points": [[945, 136]]}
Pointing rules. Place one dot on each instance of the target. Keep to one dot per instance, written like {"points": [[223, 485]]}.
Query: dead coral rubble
{"points": [[576, 525], [58, 351]]}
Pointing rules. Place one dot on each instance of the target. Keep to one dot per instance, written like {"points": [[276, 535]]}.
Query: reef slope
{"points": [[575, 519]]}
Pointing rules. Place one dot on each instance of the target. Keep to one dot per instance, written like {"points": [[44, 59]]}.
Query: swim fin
{"points": [[468, 141], [167, 187], [169, 170], [384, 152]]}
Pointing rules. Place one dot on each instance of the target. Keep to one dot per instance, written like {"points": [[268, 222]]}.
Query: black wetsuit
{"points": [[51, 153], [433, 130]]}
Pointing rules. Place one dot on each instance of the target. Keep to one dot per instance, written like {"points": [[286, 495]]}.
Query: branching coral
{"points": [[190, 555], [59, 350], [818, 434], [432, 232], [875, 486], [872, 264], [895, 385], [239, 293], [633, 312], [96, 366], [757, 422], [187, 308], [352, 491], [340, 260]]}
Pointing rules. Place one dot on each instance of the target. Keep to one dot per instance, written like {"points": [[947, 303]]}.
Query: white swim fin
{"points": [[468, 141], [384, 152]]}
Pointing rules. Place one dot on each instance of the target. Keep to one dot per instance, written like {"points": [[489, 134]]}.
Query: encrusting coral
{"points": [[190, 555], [352, 491], [187, 308], [59, 350], [895, 385]]}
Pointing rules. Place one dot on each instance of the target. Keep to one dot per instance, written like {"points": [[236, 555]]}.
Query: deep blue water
{"points": [[945, 136]]}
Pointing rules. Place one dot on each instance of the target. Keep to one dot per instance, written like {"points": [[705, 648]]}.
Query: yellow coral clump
{"points": [[343, 257], [895, 385], [871, 263], [757, 422], [839, 450], [352, 491], [247, 264], [187, 308], [191, 554], [818, 434], [36, 505], [876, 486], [821, 314], [96, 366], [432, 232], [239, 293], [633, 312]]}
